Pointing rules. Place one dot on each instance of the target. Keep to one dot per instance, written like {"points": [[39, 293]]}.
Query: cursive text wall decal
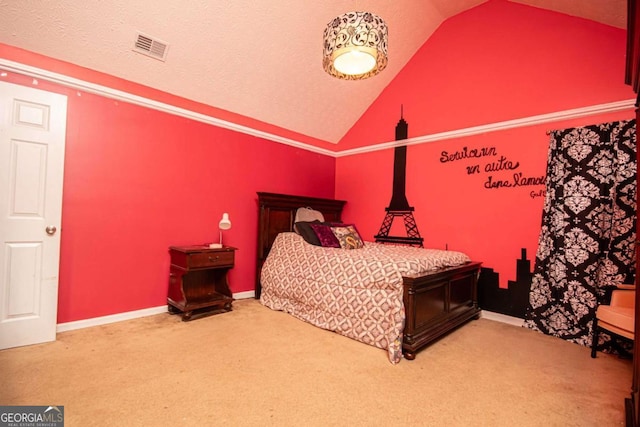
{"points": [[508, 176]]}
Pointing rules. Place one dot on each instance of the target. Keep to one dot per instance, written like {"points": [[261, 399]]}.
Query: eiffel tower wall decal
{"points": [[399, 206]]}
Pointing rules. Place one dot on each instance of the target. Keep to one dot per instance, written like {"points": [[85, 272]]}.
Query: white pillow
{"points": [[308, 215]]}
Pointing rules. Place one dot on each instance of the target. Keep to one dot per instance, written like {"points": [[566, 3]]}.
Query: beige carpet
{"points": [[254, 366]]}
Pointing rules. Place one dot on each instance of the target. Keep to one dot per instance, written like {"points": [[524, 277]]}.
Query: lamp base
{"points": [[215, 245]]}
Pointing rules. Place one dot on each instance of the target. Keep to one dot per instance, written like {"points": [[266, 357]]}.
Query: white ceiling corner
{"points": [[261, 59]]}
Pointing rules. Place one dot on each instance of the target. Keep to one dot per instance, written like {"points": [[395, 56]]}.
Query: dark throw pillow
{"points": [[303, 228], [325, 236]]}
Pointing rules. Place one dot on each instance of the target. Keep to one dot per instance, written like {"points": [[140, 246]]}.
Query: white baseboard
{"points": [[499, 317], [119, 317], [104, 320], [244, 295]]}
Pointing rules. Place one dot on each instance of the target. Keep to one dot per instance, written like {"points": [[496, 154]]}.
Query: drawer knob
{"points": [[214, 259]]}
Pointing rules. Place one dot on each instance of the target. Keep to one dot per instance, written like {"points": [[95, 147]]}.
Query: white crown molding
{"points": [[119, 95], [499, 126], [111, 93]]}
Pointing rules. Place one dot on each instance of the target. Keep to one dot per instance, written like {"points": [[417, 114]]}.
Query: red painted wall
{"points": [[138, 180], [499, 61]]}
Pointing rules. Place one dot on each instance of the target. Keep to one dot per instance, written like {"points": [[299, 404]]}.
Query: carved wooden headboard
{"points": [[276, 213]]}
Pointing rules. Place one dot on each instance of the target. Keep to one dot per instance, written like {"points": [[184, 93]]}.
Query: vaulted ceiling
{"points": [[258, 58]]}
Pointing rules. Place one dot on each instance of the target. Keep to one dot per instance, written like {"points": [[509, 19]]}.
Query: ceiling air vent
{"points": [[151, 47]]}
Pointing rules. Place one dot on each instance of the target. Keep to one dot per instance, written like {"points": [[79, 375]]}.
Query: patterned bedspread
{"points": [[356, 293]]}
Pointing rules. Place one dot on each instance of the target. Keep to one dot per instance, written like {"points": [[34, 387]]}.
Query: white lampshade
{"points": [[224, 223], [355, 46], [353, 61]]}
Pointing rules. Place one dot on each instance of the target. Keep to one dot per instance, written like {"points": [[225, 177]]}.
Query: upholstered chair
{"points": [[617, 317]]}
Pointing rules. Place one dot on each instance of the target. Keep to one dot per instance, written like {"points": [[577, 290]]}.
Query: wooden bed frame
{"points": [[434, 303]]}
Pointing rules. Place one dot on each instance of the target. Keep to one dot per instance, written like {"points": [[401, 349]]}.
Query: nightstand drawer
{"points": [[210, 259]]}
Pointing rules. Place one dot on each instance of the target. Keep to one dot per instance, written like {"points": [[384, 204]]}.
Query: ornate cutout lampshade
{"points": [[355, 46]]}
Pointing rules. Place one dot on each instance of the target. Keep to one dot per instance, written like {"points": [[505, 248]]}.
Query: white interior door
{"points": [[32, 138]]}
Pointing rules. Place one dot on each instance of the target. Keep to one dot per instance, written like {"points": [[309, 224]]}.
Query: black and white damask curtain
{"points": [[587, 241]]}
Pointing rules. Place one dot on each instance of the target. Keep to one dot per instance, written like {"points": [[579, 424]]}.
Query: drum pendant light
{"points": [[355, 46]]}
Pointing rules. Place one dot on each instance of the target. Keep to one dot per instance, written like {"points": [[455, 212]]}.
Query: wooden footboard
{"points": [[437, 303]]}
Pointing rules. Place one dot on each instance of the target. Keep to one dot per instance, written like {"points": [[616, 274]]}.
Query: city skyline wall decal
{"points": [[512, 300]]}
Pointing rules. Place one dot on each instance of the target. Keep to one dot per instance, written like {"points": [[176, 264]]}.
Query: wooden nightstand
{"points": [[198, 279]]}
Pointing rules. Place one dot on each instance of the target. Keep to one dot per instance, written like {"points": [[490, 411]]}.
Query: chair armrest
{"points": [[625, 286]]}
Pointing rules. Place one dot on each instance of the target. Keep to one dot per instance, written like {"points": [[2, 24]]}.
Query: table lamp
{"points": [[224, 224]]}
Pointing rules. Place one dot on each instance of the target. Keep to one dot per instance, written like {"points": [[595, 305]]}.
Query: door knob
{"points": [[51, 230]]}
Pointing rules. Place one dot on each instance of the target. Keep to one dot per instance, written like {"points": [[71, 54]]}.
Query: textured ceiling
{"points": [[258, 58]]}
